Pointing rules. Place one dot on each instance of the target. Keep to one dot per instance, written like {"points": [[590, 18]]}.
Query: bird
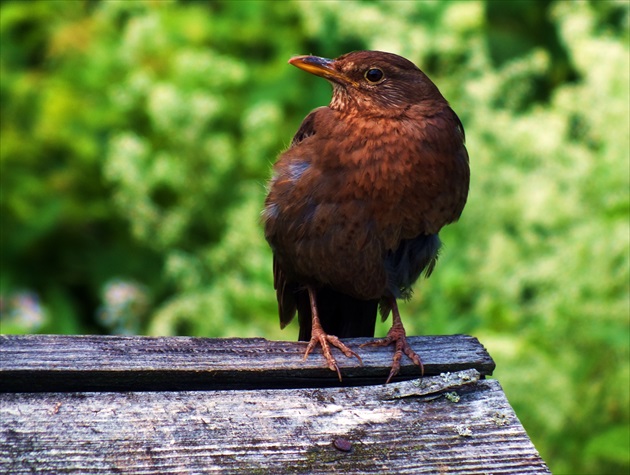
{"points": [[355, 203]]}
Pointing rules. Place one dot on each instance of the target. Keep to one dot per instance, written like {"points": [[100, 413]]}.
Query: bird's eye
{"points": [[374, 75]]}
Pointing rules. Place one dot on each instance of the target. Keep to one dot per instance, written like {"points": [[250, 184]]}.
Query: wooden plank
{"points": [[448, 424], [125, 363]]}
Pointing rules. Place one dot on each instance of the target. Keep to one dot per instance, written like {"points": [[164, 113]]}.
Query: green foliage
{"points": [[137, 138]]}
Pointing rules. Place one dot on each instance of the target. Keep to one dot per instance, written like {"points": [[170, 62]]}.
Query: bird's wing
{"points": [[285, 293], [307, 127], [286, 289]]}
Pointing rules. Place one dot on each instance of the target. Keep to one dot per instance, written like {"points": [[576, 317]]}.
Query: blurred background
{"points": [[137, 136]]}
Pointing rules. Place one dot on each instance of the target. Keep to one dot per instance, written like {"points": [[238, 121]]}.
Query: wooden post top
{"points": [[107, 404]]}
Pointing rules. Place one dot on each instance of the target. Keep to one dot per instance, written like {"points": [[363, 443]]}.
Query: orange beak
{"points": [[322, 67]]}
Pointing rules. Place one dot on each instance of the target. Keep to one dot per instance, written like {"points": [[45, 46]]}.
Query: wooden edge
{"points": [[449, 423], [35, 363]]}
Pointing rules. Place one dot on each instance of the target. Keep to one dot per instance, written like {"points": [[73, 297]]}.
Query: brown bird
{"points": [[356, 202]]}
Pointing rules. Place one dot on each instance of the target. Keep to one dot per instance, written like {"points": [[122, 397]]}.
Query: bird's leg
{"points": [[397, 335], [318, 335]]}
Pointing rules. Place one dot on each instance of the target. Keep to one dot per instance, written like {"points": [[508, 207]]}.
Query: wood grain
{"points": [[117, 363], [444, 424]]}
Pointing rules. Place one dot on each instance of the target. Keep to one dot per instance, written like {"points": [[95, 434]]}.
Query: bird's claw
{"points": [[400, 340], [325, 340]]}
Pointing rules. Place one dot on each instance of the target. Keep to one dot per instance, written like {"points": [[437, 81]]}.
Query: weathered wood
{"points": [[451, 424], [110, 363]]}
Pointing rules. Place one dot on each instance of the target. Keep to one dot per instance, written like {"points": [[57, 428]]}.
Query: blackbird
{"points": [[356, 202]]}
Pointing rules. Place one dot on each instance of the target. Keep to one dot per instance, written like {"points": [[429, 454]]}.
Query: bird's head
{"points": [[372, 82]]}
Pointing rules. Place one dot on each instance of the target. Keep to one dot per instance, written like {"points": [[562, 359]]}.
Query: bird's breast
{"points": [[412, 174], [345, 196]]}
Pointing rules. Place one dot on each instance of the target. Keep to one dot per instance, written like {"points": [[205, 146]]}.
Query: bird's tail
{"points": [[340, 314]]}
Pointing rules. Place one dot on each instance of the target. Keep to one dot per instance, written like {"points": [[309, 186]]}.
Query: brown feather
{"points": [[356, 202]]}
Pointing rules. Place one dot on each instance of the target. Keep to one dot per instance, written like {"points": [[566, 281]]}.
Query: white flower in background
{"points": [[22, 311], [124, 305]]}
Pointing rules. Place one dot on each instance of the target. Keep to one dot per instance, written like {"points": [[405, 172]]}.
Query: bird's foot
{"points": [[398, 336], [325, 340]]}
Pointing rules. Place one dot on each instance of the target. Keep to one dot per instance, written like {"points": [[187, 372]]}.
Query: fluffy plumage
{"points": [[356, 202]]}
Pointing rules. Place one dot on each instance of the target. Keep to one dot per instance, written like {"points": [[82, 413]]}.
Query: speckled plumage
{"points": [[357, 200]]}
